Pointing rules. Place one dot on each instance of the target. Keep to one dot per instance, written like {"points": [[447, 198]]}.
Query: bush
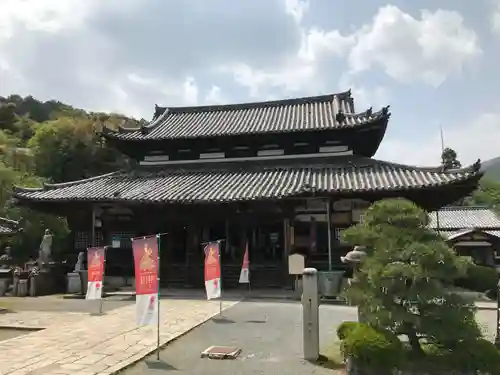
{"points": [[479, 279], [476, 356], [346, 328], [371, 348]]}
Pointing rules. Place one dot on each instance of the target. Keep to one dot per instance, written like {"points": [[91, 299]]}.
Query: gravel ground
{"points": [[269, 334]]}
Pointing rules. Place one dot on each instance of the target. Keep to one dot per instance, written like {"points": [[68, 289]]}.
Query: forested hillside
{"points": [[49, 142]]}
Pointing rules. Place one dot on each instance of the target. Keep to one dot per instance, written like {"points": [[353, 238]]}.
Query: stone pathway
{"points": [[38, 319], [82, 344]]}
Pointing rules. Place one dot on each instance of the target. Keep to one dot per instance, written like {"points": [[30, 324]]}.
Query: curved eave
{"points": [[19, 191], [356, 121], [258, 184]]}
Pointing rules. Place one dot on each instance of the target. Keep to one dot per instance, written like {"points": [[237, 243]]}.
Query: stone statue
{"points": [[45, 250], [79, 262], [6, 258]]}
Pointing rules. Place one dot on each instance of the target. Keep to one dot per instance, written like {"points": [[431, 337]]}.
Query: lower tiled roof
{"points": [[8, 226], [237, 182], [451, 234], [464, 218]]}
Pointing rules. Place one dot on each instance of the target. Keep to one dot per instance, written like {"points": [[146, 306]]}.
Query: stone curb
{"points": [[22, 328]]}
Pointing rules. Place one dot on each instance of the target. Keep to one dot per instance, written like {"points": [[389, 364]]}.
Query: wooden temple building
{"points": [[472, 231], [282, 176]]}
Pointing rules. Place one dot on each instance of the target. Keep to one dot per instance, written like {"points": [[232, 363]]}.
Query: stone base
{"points": [[22, 288], [74, 282], [4, 285]]}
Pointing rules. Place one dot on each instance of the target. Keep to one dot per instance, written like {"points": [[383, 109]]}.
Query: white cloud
{"points": [[477, 139], [215, 96], [495, 17], [408, 49], [88, 52]]}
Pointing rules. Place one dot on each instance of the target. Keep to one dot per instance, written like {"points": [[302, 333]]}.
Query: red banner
{"points": [[246, 261], [95, 262], [146, 265], [212, 270], [212, 263]]}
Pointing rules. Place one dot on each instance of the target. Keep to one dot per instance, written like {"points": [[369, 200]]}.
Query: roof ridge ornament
{"points": [[340, 117]]}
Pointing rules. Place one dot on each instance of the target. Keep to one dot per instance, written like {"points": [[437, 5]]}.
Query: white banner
{"points": [[94, 290], [244, 276], [213, 288], [146, 309]]}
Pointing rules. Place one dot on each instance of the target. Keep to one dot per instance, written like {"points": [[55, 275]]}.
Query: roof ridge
{"points": [[259, 104], [8, 221], [46, 186], [466, 208]]}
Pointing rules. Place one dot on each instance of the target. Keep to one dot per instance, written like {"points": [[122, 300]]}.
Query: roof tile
{"points": [[302, 114], [245, 184], [455, 218]]}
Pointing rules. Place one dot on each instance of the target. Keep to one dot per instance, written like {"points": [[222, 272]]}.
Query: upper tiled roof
{"points": [[335, 111], [8, 226], [456, 218], [233, 182]]}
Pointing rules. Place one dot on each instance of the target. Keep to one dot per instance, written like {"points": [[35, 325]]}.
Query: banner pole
{"points": [[220, 265], [102, 282], [159, 294]]}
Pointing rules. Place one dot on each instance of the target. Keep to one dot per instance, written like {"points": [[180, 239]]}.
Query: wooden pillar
{"points": [[93, 233], [192, 243], [227, 243]]}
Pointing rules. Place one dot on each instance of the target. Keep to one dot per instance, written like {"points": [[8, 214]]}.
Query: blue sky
{"points": [[434, 62]]}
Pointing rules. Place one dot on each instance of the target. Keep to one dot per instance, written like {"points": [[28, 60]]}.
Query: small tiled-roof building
{"points": [[473, 231], [8, 227], [279, 176]]}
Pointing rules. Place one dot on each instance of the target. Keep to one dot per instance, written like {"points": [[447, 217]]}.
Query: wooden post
{"points": [[329, 223], [93, 234]]}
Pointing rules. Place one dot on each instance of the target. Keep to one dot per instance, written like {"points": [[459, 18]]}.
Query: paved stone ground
{"points": [[57, 303], [82, 344], [269, 334]]}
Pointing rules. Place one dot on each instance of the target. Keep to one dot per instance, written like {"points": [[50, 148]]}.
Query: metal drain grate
{"points": [[221, 352]]}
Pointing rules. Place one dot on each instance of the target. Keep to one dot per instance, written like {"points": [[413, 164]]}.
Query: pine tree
{"points": [[403, 282]]}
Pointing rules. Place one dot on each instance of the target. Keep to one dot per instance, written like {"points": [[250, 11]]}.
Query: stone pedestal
{"points": [[15, 285], [4, 285], [22, 288], [77, 282], [74, 284]]}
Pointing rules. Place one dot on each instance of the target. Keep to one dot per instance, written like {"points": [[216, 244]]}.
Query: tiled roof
{"points": [[451, 234], [8, 226], [233, 182], [335, 111], [464, 218]]}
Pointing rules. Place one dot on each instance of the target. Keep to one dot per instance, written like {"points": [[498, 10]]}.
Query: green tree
{"points": [[403, 282], [449, 159], [7, 116], [68, 149], [487, 194]]}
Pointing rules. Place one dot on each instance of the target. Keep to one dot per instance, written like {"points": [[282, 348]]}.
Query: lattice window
{"points": [[82, 240], [124, 238]]}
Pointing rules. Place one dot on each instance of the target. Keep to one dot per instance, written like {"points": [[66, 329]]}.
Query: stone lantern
{"points": [[355, 258]]}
